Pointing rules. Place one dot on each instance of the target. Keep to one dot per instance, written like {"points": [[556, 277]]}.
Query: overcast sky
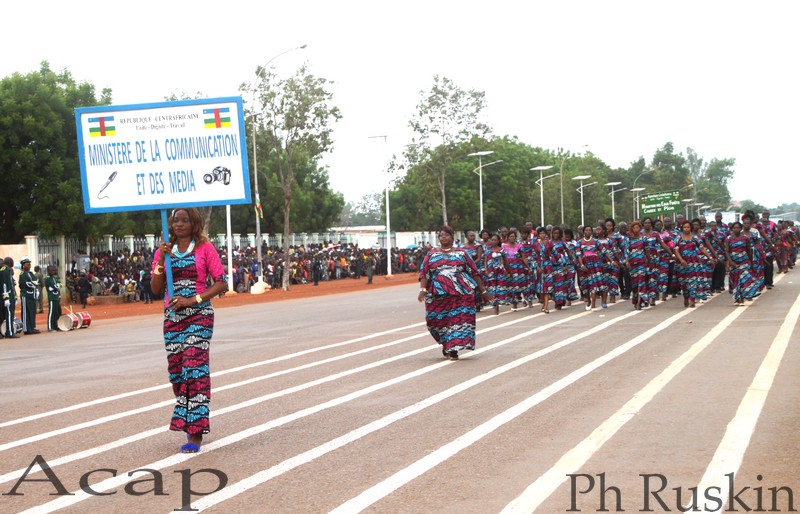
{"points": [[621, 77]]}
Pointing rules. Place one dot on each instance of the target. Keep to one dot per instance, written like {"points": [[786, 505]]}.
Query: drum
{"points": [[17, 326], [86, 319], [69, 322], [74, 320]]}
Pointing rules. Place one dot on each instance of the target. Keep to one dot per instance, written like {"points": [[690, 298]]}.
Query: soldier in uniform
{"points": [[40, 298], [53, 298], [9, 296], [28, 291]]}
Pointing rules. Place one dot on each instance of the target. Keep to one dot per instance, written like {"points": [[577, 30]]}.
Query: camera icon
{"points": [[218, 174]]}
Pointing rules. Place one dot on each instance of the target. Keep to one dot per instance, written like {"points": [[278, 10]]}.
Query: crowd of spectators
{"points": [[127, 273]]}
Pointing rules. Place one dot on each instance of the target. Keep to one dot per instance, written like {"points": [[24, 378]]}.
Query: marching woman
{"points": [[611, 265], [716, 236], [496, 270], [658, 271], [562, 260], [615, 239], [544, 257], [739, 253], [189, 320], [526, 250], [572, 266], [448, 281], [689, 250], [757, 244], [637, 260], [590, 259], [707, 274], [520, 270], [787, 241], [475, 251]]}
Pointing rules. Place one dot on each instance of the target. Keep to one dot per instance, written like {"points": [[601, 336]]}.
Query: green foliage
{"points": [[38, 155], [446, 117], [294, 129], [511, 196]]}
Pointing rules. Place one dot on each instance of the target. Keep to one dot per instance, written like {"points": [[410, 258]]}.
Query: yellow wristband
{"points": [[198, 298]]}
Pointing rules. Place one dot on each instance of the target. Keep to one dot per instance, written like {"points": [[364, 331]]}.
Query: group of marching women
{"points": [[645, 261]]}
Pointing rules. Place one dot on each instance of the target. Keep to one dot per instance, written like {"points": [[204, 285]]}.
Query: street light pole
{"points": [[480, 156], [255, 164], [686, 202], [636, 191], [612, 184], [581, 178], [540, 182], [388, 223]]}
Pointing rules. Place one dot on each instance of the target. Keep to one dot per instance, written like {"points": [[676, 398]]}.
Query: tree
{"points": [[39, 155], [296, 126], [446, 116]]}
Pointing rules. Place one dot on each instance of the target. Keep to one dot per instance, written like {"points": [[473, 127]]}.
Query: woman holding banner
{"points": [[189, 320]]}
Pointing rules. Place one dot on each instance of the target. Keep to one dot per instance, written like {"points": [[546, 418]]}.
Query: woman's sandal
{"points": [[190, 447]]}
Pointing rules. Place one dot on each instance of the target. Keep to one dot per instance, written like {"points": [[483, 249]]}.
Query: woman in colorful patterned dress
{"points": [[448, 280], [591, 257], [707, 269], [689, 250], [475, 251], [517, 279], [757, 244], [786, 241], [526, 250], [496, 270], [615, 239], [189, 320], [658, 271], [611, 265], [739, 254], [571, 267], [561, 260], [637, 260], [544, 257], [665, 259]]}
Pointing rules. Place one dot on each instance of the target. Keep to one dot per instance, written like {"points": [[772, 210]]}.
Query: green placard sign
{"points": [[660, 203]]}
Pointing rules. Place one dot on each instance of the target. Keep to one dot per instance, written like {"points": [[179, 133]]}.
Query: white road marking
{"points": [[402, 477], [14, 475], [730, 452], [120, 396], [111, 483], [574, 459], [314, 453]]}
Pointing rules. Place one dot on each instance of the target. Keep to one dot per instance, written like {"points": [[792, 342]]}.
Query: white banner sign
{"points": [[159, 155]]}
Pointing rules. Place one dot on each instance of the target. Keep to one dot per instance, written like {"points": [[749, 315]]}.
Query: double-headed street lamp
{"points": [[612, 184], [479, 170], [581, 178], [697, 206], [540, 182], [258, 209]]}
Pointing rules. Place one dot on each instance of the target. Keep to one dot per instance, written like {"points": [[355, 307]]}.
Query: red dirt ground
{"points": [[98, 312]]}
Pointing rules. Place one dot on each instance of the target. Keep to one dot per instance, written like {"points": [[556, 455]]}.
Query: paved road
{"points": [[344, 404]]}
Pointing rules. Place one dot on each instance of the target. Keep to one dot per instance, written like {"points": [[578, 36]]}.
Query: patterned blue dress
{"points": [[450, 300]]}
